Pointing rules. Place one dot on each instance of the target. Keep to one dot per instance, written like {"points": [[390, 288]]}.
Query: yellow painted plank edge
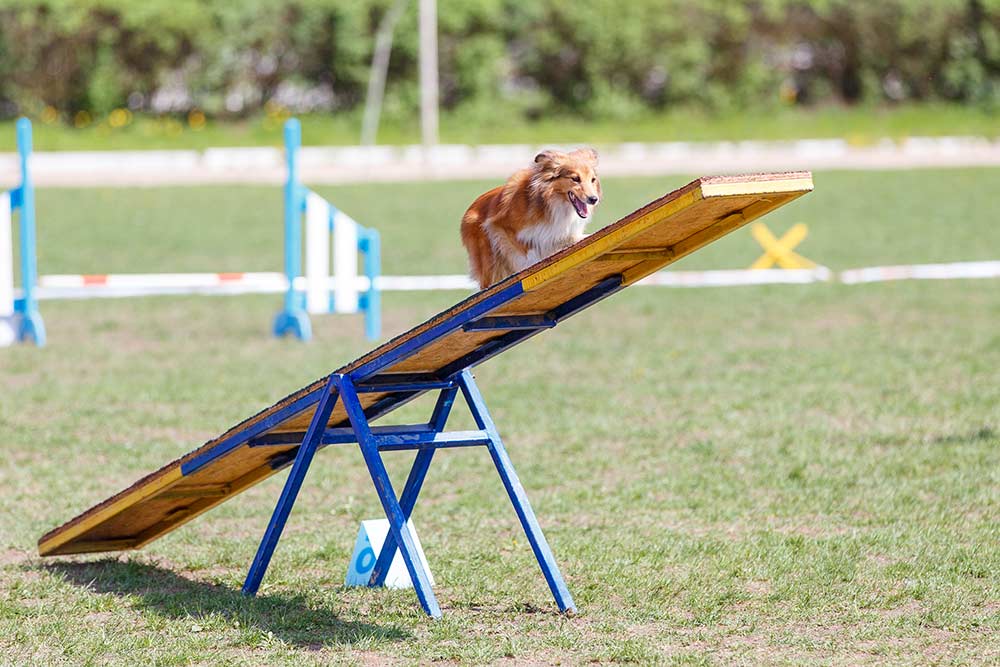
{"points": [[170, 477], [731, 189], [612, 240]]}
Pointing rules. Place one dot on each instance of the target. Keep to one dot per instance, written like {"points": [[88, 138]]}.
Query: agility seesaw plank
{"points": [[429, 357]]}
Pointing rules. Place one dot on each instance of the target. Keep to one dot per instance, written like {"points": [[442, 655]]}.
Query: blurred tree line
{"points": [[605, 58]]}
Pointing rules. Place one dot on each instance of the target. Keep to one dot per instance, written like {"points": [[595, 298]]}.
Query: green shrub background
{"points": [[605, 58]]}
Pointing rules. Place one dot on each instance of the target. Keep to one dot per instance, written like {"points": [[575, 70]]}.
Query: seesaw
{"points": [[435, 356]]}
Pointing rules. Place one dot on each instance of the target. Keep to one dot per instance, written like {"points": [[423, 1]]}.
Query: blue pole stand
{"points": [[28, 319], [293, 318], [371, 301]]}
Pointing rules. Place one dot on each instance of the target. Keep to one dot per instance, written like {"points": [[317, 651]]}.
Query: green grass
{"points": [[777, 474], [860, 125]]}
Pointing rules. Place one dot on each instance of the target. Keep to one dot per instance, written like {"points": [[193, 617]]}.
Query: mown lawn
{"points": [[779, 474]]}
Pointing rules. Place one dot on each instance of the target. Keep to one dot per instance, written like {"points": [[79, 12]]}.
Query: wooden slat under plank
{"points": [[657, 234]]}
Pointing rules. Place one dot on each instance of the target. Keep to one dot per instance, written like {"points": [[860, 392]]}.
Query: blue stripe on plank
{"points": [[453, 323], [251, 431], [492, 348]]}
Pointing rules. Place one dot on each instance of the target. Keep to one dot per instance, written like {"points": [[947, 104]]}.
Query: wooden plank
{"points": [[645, 241], [639, 254], [129, 498], [196, 491]]}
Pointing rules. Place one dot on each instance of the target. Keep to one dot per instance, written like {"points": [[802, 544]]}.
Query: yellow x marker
{"points": [[779, 251]]}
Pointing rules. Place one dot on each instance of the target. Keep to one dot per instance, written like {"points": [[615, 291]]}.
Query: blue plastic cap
{"points": [[23, 136], [293, 133]]}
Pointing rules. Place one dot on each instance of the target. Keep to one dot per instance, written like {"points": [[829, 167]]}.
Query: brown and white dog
{"points": [[537, 212]]}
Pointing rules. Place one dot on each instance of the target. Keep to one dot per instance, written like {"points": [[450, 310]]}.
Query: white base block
{"points": [[7, 331], [371, 537]]}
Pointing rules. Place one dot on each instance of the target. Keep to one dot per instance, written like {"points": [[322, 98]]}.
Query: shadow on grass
{"points": [[288, 617]]}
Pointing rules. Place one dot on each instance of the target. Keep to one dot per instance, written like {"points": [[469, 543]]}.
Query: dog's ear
{"points": [[588, 154], [549, 159]]}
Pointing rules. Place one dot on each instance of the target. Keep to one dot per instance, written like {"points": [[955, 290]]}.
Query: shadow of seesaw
{"points": [[288, 617]]}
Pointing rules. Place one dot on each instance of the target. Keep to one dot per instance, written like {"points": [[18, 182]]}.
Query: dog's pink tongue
{"points": [[581, 208]]}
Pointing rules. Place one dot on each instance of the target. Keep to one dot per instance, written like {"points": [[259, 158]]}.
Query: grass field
{"points": [[861, 125], [779, 474]]}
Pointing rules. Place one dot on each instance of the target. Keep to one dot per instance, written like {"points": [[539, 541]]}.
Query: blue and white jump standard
{"points": [[19, 316], [345, 291]]}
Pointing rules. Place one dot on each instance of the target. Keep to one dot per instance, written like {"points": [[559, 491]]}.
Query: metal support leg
{"points": [[412, 487], [517, 495], [383, 486], [292, 485]]}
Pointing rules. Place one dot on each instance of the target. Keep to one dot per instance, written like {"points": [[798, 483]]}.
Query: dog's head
{"points": [[572, 176]]}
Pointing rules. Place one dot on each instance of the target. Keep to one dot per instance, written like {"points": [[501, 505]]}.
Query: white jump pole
{"points": [[317, 270], [345, 263], [346, 294], [7, 331]]}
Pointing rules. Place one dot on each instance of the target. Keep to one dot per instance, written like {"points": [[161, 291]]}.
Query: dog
{"points": [[537, 212]]}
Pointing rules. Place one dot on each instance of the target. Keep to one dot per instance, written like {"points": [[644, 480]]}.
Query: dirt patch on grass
{"points": [[14, 556], [910, 608], [759, 587], [882, 560]]}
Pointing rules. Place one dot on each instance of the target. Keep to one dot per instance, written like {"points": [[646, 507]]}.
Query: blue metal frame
{"points": [[414, 481], [400, 388], [398, 526], [28, 319], [425, 438], [293, 318], [290, 491], [518, 498]]}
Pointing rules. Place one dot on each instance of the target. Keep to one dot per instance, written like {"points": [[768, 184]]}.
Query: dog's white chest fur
{"points": [[562, 228]]}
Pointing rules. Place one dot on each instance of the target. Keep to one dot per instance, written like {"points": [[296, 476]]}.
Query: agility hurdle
{"points": [[340, 292], [330, 282], [436, 356], [19, 316]]}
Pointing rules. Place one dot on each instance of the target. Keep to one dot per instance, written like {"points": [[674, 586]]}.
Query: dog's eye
{"points": [[576, 178]]}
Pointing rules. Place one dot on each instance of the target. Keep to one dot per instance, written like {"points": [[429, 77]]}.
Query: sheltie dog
{"points": [[537, 212]]}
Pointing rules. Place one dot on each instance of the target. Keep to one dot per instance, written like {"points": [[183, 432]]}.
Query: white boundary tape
{"points": [[129, 285], [737, 277], [922, 272]]}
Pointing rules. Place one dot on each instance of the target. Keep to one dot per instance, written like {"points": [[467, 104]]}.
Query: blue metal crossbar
{"points": [[425, 438], [510, 323], [387, 438]]}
